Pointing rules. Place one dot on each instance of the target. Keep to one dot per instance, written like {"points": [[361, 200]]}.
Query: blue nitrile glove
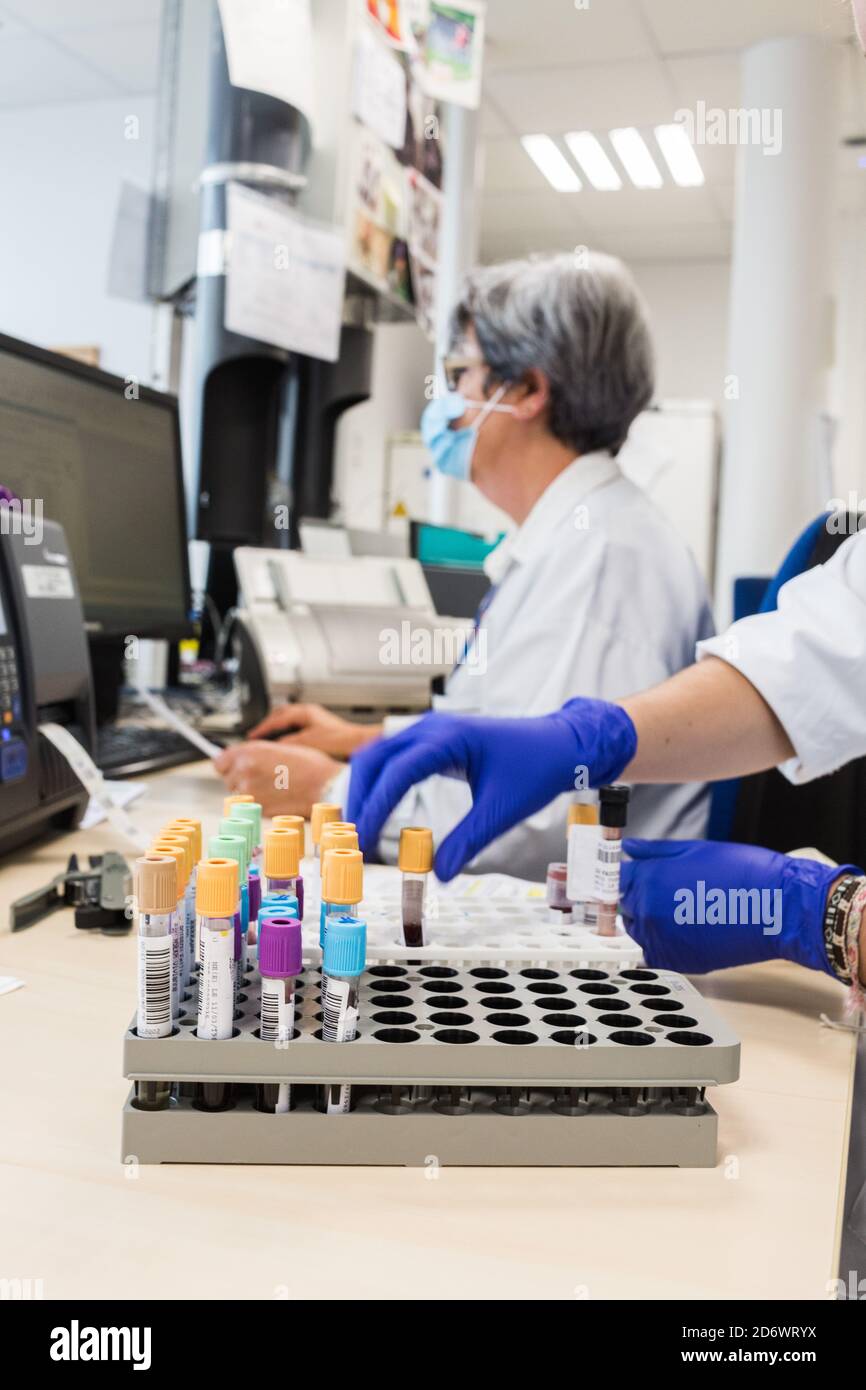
{"points": [[513, 766], [685, 902]]}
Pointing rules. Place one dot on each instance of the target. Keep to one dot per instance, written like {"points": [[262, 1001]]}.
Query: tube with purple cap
{"points": [[279, 963]]}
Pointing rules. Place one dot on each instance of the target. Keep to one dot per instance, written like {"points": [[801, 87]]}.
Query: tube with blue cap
{"points": [[343, 962]]}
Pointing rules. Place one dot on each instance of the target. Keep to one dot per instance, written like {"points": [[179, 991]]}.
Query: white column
{"points": [[775, 476], [849, 397], [457, 253]]}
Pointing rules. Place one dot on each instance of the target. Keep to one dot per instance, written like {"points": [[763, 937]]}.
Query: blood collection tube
{"points": [[216, 901], [155, 890], [295, 823], [280, 963], [415, 860], [179, 850], [342, 964], [191, 830], [335, 835], [282, 861], [583, 836], [235, 847], [613, 813], [322, 812], [253, 811], [342, 886], [558, 901]]}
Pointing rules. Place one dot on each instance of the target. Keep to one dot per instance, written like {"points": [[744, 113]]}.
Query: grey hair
{"points": [[579, 319]]}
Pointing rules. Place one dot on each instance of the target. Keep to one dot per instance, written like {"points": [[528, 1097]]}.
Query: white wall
{"points": [[61, 169], [402, 360], [688, 308]]}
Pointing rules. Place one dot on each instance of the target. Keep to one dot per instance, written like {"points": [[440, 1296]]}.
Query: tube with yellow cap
{"points": [[295, 823], [415, 860], [155, 890], [215, 898], [583, 837], [178, 849], [342, 885]]}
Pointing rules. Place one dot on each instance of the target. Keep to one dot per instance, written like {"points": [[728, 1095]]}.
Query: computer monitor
{"points": [[103, 457]]}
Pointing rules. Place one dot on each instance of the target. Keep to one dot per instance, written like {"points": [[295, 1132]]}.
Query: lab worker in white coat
{"points": [[593, 592]]}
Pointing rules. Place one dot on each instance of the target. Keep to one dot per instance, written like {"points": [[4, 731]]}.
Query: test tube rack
{"points": [[476, 919], [485, 1065]]}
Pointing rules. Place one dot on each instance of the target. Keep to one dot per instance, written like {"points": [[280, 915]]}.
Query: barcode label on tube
{"points": [[154, 986], [607, 866], [339, 1022], [277, 1017]]}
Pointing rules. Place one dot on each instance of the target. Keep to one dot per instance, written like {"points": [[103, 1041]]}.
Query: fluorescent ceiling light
{"points": [[679, 155], [593, 160], [635, 157], [548, 157]]}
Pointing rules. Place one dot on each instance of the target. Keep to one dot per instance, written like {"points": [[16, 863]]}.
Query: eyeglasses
{"points": [[454, 364]]}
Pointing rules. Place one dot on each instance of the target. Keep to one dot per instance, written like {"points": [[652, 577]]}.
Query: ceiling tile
{"points": [[129, 56], [35, 72], [553, 32], [651, 207], [596, 98], [711, 78], [700, 25], [668, 243], [508, 168]]}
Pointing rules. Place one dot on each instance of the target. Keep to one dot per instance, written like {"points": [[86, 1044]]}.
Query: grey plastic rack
{"points": [[484, 1065]]}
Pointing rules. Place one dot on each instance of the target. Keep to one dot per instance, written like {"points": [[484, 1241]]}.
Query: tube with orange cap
{"points": [[335, 835], [321, 814], [295, 823], [178, 849], [216, 896], [187, 830], [155, 890], [415, 860], [282, 860], [342, 885]]}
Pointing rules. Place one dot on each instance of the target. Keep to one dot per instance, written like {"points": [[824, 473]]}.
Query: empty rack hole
{"points": [[438, 972], [620, 1020], [450, 1020], [500, 1001], [445, 1001], [538, 974], [442, 986], [514, 1037], [633, 1039], [663, 1005], [681, 1021], [563, 1020], [609, 1005], [387, 971], [690, 1039], [455, 1035], [588, 974], [394, 1016], [509, 1020], [597, 989], [386, 1001], [638, 974], [396, 1035], [392, 986], [488, 972], [495, 987], [650, 989], [573, 1037], [546, 987], [545, 1002]]}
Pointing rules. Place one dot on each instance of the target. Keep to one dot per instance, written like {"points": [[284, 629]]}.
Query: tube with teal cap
{"points": [[235, 847], [343, 961]]}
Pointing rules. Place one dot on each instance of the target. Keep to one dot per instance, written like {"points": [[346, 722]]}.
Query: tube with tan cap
{"points": [[282, 860], [415, 860], [191, 831], [295, 823], [155, 889], [321, 814], [177, 849]]}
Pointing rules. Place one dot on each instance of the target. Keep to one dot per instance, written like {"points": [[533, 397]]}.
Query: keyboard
{"points": [[129, 750]]}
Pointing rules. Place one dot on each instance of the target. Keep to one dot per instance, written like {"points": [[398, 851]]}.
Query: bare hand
{"points": [[316, 727], [284, 780]]}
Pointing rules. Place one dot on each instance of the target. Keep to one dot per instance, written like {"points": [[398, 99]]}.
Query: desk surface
{"points": [[763, 1224]]}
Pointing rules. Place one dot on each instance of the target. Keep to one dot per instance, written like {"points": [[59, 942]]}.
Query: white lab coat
{"points": [[596, 595], [808, 660]]}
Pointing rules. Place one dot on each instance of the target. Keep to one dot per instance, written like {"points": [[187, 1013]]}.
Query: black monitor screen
{"points": [[106, 466]]}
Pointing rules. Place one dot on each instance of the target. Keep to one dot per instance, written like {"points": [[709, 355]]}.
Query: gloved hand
{"points": [[513, 766], [697, 905]]}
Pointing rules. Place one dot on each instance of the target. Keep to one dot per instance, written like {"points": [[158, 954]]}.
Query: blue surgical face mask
{"points": [[452, 450]]}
